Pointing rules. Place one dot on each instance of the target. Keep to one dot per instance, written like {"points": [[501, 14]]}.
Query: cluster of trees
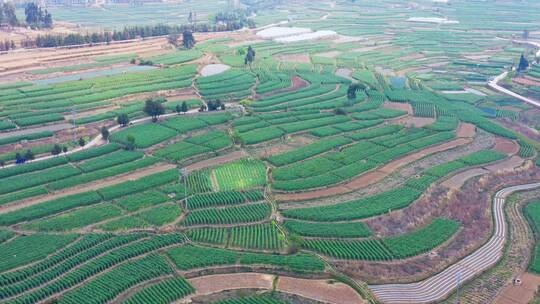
{"points": [[133, 32], [233, 20], [36, 17], [7, 45], [7, 14]]}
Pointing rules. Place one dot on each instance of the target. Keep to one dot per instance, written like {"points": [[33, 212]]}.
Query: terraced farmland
{"points": [[131, 171]]}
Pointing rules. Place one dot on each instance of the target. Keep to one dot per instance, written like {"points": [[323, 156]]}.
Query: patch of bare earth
{"points": [[299, 58], [330, 54], [87, 187], [526, 81], [506, 165], [520, 294], [417, 122], [320, 290], [457, 181], [506, 146], [297, 83], [466, 130], [399, 106], [210, 284]]}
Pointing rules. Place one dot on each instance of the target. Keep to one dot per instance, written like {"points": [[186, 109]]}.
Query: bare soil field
{"points": [[506, 146], [457, 181], [319, 290], [298, 58], [466, 130], [526, 81], [506, 165], [417, 122], [399, 106], [520, 294], [210, 284]]}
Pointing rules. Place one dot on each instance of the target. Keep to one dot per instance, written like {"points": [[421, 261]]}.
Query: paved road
{"points": [[98, 139], [494, 83], [442, 284]]}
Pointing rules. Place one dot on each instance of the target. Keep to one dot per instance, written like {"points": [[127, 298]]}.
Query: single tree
{"points": [[339, 111], [82, 142], [178, 109], [188, 41], [2, 163], [250, 56], [130, 145], [19, 159], [56, 150], [184, 107], [29, 155], [122, 119], [47, 20], [523, 64], [153, 108], [10, 17], [202, 108], [351, 92], [105, 133], [64, 149], [172, 38]]}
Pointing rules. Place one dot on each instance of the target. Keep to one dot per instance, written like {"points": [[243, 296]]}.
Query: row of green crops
{"points": [[257, 237], [397, 247], [224, 198], [392, 199], [192, 257], [91, 263]]}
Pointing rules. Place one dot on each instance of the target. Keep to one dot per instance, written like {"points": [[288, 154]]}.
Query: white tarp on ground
{"points": [[432, 20]]}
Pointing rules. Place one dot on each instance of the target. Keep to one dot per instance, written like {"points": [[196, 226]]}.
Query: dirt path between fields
{"points": [[227, 158], [319, 290], [379, 174], [87, 187]]}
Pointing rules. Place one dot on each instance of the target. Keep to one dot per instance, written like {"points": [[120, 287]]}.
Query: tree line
{"points": [[35, 16], [225, 22]]}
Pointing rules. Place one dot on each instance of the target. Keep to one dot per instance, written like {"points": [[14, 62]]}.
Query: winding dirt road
{"points": [[442, 284]]}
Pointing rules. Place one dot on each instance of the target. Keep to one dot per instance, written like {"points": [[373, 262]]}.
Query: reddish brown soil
{"points": [[417, 122], [86, 187], [320, 290], [373, 176], [466, 130], [526, 81], [506, 165], [297, 83], [505, 146], [399, 106], [457, 181], [216, 161], [520, 294], [211, 284], [299, 58]]}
